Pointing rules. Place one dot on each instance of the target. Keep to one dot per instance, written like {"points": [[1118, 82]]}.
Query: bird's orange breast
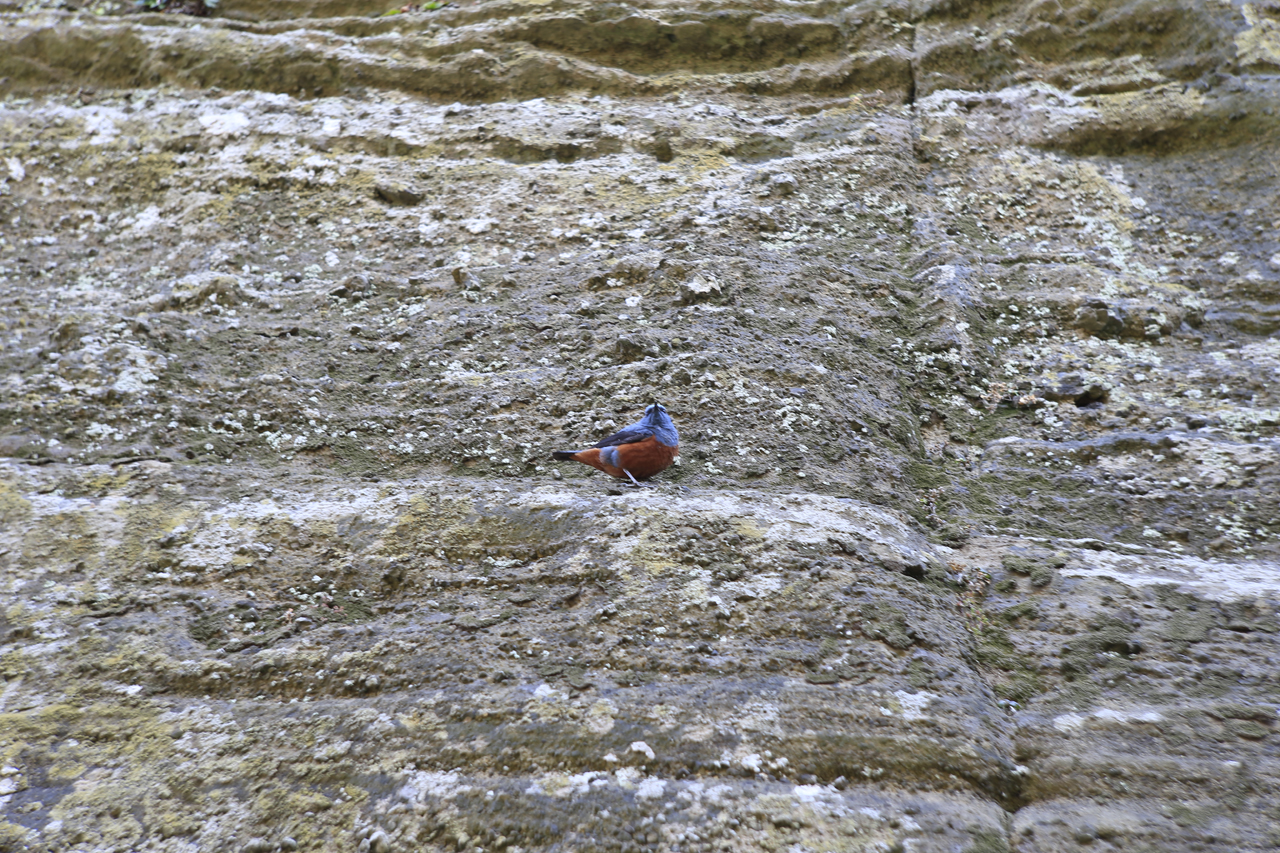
{"points": [[646, 458], [642, 458]]}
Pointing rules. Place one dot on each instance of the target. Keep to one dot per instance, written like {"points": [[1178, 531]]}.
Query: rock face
{"points": [[967, 313]]}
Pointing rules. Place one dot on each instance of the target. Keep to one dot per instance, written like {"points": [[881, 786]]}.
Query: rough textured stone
{"points": [[966, 312]]}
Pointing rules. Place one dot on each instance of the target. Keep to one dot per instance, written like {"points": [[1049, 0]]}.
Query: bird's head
{"points": [[657, 419], [655, 413]]}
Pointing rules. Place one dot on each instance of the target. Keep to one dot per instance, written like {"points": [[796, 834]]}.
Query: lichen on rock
{"points": [[966, 314]]}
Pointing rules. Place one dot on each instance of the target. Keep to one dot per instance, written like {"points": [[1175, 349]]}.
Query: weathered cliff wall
{"points": [[966, 311]]}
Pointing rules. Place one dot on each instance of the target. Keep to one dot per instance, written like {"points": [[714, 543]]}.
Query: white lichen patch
{"points": [[1073, 723], [912, 705], [424, 785], [1211, 579]]}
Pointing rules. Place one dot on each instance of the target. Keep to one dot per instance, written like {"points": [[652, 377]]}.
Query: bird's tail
{"points": [[564, 454]]}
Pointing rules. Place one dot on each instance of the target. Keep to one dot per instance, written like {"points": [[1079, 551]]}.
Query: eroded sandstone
{"points": [[966, 313]]}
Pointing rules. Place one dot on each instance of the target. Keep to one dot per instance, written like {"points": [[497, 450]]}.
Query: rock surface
{"points": [[967, 313]]}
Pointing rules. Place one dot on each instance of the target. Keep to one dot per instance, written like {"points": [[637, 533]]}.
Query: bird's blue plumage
{"points": [[656, 422]]}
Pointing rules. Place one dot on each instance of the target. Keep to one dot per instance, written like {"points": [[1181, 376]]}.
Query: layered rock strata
{"points": [[967, 314]]}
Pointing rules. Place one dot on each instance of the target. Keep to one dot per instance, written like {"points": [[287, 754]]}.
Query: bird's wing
{"points": [[627, 435]]}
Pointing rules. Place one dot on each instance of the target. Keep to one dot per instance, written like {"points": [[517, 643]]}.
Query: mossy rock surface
{"points": [[965, 314]]}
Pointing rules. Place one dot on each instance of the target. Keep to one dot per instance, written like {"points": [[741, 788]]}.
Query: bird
{"points": [[636, 452]]}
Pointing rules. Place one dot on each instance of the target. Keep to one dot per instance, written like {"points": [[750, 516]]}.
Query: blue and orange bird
{"points": [[637, 452]]}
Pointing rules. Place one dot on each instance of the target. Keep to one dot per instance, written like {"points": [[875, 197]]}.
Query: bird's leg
{"points": [[633, 479]]}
